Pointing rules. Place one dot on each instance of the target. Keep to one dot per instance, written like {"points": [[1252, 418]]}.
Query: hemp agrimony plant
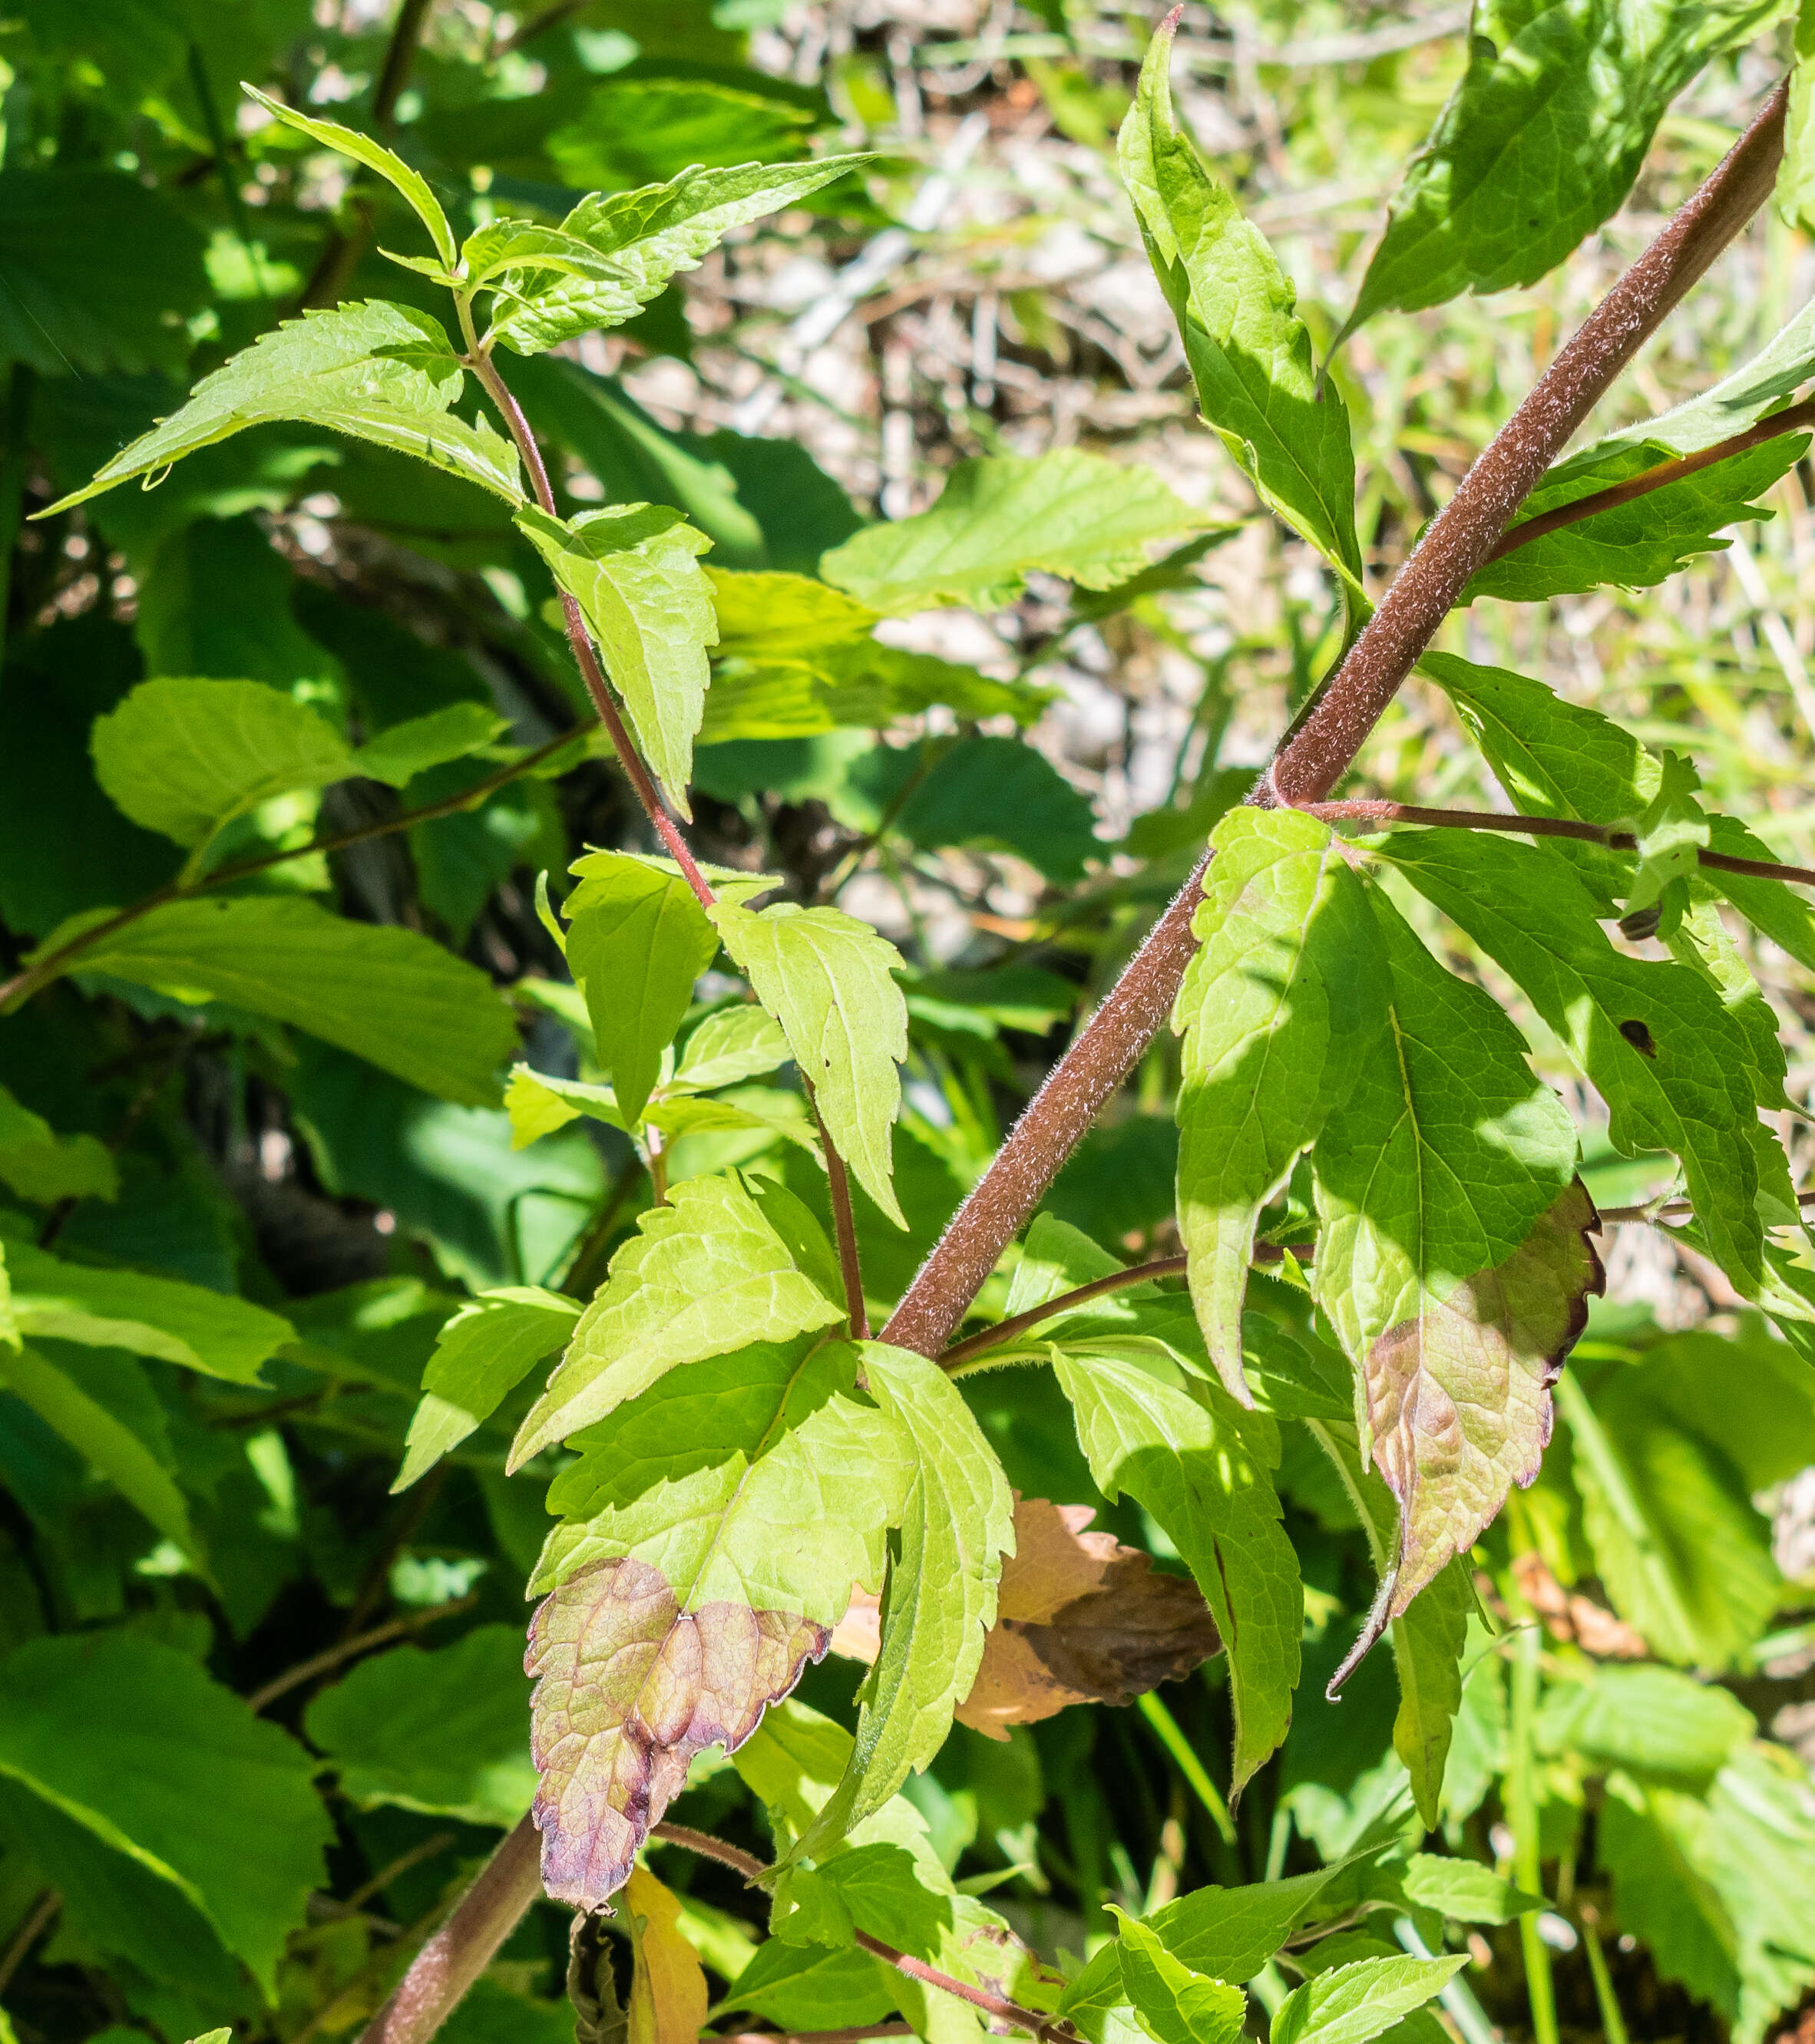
{"points": [[754, 1458]]}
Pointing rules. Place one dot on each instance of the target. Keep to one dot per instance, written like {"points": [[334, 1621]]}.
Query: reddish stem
{"points": [[441, 1973], [1320, 749], [1018, 1323], [843, 1222], [629, 758], [1660, 477]]}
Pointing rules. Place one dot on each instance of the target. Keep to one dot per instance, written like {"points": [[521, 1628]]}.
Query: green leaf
{"points": [[957, 1522], [133, 1741], [1649, 1721], [445, 1732], [809, 1984], [634, 128], [1669, 1060], [827, 978], [1278, 1009], [728, 1511], [735, 1043], [637, 940], [1452, 1261], [1176, 2006], [397, 756], [1428, 1638], [102, 275], [1226, 1933], [109, 1447], [1795, 193], [1541, 140], [1350, 2005], [706, 1273], [363, 149], [999, 519], [1191, 1461], [211, 1331], [482, 1354], [1464, 1890], [44, 1167], [1639, 544], [1683, 1553], [636, 240], [385, 994], [183, 757], [538, 1105], [1250, 353], [999, 793], [381, 372], [635, 573]]}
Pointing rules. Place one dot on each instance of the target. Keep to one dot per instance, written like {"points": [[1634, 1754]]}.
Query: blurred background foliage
{"points": [[1632, 1740]]}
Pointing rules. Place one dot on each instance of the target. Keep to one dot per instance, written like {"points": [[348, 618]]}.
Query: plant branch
{"points": [[844, 1224], [22, 984], [399, 59], [1018, 1323], [629, 758], [1793, 419], [1320, 750], [37, 1921], [1491, 819], [752, 1868], [1316, 754], [1654, 1211], [441, 1973], [345, 1650]]}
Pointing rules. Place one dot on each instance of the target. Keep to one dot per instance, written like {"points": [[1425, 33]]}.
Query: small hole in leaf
{"points": [[1640, 1037]]}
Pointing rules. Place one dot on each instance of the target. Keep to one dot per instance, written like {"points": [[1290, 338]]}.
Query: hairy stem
{"points": [[1317, 754], [1370, 811], [360, 1642], [1793, 419], [441, 1973], [22, 984], [629, 758], [1321, 748]]}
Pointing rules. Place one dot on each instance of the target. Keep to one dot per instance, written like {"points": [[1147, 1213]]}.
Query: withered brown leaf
{"points": [[1081, 1619], [629, 1688]]}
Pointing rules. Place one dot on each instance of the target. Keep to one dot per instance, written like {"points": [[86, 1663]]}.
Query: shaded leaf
{"points": [[1453, 1261], [446, 1733], [1250, 353], [741, 1042], [203, 1330], [827, 978], [133, 1741], [42, 1166], [999, 519], [399, 753], [1278, 1009], [1650, 1721], [1191, 1462], [634, 571], [381, 372], [109, 1446], [386, 994], [705, 1273]]}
